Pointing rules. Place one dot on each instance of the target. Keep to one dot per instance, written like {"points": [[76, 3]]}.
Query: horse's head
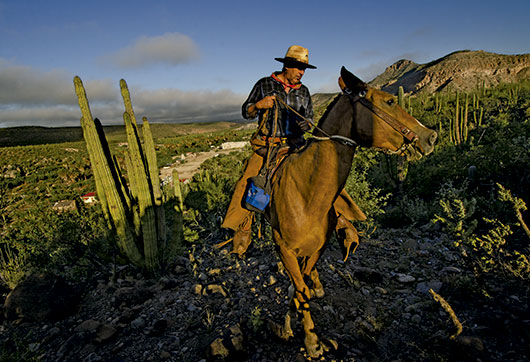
{"points": [[381, 123]]}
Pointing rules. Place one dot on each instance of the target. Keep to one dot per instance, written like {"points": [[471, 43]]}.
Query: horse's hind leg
{"points": [[318, 290]]}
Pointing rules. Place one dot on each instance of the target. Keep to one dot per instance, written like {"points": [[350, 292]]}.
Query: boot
{"points": [[241, 239], [347, 235]]}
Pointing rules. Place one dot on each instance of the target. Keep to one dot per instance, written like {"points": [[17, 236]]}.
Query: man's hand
{"points": [[266, 103]]}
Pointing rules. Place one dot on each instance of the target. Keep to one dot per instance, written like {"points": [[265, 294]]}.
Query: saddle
{"points": [[259, 187], [274, 150]]}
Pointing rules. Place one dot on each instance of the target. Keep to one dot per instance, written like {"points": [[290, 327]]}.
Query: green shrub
{"points": [[485, 249], [208, 194], [47, 240], [370, 199], [408, 212]]}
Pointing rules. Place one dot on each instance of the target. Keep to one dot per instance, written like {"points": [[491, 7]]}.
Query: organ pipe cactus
{"points": [[456, 123], [150, 157], [401, 162], [126, 95], [179, 209], [134, 211], [401, 97], [144, 194]]}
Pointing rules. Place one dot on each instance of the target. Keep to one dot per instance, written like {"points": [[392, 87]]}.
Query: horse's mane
{"points": [[330, 106]]}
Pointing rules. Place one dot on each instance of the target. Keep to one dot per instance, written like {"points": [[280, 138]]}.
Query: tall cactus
{"points": [[108, 186], [179, 208], [465, 123], [126, 95], [133, 211], [401, 97], [459, 125], [456, 123], [144, 194], [150, 158], [401, 162]]}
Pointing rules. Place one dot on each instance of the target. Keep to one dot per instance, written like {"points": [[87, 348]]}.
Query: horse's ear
{"points": [[352, 82]]}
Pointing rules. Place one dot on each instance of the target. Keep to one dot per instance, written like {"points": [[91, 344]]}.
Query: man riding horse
{"points": [[285, 112]]}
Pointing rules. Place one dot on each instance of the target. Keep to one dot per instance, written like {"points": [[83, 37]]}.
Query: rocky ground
{"points": [[215, 306]]}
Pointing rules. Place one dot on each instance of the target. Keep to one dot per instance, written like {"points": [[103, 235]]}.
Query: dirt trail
{"points": [[190, 165]]}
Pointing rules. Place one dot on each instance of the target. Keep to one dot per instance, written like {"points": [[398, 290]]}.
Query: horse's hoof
{"points": [[316, 350], [317, 293], [330, 344], [280, 330]]}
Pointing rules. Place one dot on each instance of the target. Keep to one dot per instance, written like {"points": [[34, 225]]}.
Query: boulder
{"points": [[41, 297]]}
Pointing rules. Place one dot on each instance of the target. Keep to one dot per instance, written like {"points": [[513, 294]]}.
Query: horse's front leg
{"points": [[315, 348], [310, 272]]}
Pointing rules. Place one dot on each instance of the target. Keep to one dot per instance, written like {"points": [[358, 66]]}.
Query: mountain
{"points": [[462, 70]]}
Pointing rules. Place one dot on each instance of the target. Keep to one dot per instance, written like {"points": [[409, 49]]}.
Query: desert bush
{"points": [[456, 211], [496, 151], [370, 199], [66, 243], [488, 248], [208, 194], [408, 212]]}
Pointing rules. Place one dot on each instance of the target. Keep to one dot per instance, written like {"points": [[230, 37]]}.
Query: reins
{"points": [[407, 133], [341, 139]]}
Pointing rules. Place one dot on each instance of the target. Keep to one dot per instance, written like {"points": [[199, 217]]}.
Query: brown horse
{"points": [[307, 183]]}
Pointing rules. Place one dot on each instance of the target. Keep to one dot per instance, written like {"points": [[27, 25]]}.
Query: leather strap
{"points": [[391, 121]]}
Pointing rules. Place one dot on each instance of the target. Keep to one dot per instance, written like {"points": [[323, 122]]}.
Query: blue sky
{"points": [[197, 60]]}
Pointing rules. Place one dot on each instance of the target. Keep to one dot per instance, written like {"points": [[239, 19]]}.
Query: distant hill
{"points": [[35, 135], [320, 103], [461, 70]]}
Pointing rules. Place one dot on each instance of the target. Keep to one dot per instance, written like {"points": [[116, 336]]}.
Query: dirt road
{"points": [[189, 165]]}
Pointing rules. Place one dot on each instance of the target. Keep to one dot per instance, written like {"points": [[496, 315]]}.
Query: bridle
{"points": [[409, 137]]}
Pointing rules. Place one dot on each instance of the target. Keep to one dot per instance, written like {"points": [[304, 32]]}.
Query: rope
{"points": [[344, 140]]}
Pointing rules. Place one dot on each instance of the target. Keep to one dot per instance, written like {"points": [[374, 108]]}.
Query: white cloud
{"points": [[32, 97], [170, 105], [21, 85], [170, 48]]}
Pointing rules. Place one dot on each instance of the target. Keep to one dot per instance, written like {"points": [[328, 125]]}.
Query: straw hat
{"points": [[298, 56]]}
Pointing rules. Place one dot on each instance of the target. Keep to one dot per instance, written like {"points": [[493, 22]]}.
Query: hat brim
{"points": [[295, 62]]}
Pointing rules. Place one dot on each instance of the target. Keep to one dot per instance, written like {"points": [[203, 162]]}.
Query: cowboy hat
{"points": [[296, 56]]}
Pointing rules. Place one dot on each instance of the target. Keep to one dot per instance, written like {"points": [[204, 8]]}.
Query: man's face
{"points": [[294, 75]]}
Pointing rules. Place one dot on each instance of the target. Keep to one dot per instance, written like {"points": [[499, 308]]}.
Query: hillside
{"points": [[461, 70], [35, 135]]}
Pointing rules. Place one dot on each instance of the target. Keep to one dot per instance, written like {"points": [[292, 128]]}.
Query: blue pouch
{"points": [[258, 194]]}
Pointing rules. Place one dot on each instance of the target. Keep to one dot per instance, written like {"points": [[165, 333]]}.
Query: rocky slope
{"points": [[215, 306], [461, 70]]}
